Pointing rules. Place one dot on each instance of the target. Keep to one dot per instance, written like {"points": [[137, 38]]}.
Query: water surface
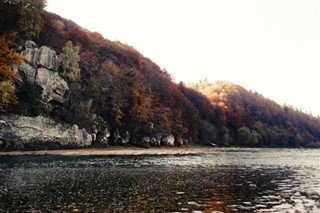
{"points": [[235, 180]]}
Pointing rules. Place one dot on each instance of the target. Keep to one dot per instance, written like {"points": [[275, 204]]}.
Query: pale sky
{"points": [[271, 46]]}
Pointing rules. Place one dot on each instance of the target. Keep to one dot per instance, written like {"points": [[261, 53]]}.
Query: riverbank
{"points": [[115, 150], [133, 150]]}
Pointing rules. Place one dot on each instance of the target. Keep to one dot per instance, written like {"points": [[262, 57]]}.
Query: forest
{"points": [[128, 91]]}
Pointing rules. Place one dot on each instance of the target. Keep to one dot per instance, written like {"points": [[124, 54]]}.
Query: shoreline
{"points": [[132, 150], [116, 150]]}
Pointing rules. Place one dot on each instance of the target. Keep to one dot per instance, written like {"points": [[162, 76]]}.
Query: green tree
{"points": [[7, 95], [69, 61], [30, 19], [29, 99]]}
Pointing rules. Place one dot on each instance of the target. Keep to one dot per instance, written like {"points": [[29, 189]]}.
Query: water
{"points": [[219, 180]]}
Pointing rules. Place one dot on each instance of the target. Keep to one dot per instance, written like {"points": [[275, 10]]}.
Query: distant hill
{"points": [[254, 120], [131, 95]]}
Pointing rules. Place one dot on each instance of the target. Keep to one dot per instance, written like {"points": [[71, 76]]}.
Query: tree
{"points": [[30, 18], [9, 16], [7, 95], [29, 99], [8, 60], [69, 61], [141, 101]]}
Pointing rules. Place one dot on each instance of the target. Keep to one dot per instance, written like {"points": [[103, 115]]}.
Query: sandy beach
{"points": [[115, 150]]}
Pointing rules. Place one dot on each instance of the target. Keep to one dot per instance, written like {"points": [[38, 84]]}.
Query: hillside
{"points": [[254, 120], [118, 96]]}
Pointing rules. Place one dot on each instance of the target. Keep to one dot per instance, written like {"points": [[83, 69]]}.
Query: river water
{"points": [[218, 180]]}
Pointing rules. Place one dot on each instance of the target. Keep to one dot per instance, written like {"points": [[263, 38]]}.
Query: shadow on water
{"points": [[202, 183]]}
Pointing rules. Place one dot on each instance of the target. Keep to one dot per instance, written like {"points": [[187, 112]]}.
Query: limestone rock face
{"points": [[31, 56], [40, 57], [53, 86], [48, 58], [21, 132], [40, 67], [29, 72]]}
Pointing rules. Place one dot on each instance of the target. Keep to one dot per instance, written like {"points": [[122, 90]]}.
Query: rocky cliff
{"points": [[40, 67], [21, 132]]}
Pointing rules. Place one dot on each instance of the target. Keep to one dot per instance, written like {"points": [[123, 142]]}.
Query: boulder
{"points": [[155, 142], [181, 141], [30, 44], [105, 137], [21, 132], [121, 137], [54, 88], [168, 140], [48, 58], [144, 142]]}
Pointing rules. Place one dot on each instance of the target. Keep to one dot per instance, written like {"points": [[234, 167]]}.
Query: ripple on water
{"points": [[241, 181]]}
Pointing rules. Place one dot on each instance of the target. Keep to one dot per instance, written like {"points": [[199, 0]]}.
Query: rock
{"points": [[28, 72], [100, 131], [80, 136], [31, 55], [40, 57], [144, 142], [54, 88], [105, 137], [41, 64], [21, 132], [155, 141], [30, 44], [181, 142], [168, 140], [48, 58], [121, 137]]}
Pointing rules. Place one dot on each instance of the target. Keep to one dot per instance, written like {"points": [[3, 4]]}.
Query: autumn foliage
{"points": [[253, 120], [129, 91], [9, 60]]}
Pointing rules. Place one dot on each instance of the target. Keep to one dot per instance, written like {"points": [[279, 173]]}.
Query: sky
{"points": [[268, 46]]}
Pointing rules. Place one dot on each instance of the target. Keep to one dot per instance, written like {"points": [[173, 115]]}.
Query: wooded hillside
{"points": [[129, 92]]}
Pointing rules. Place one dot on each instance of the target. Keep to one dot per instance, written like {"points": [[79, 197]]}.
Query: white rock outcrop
{"points": [[28, 132], [40, 67]]}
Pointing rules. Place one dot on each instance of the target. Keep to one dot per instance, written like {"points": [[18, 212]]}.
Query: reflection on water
{"points": [[244, 180]]}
